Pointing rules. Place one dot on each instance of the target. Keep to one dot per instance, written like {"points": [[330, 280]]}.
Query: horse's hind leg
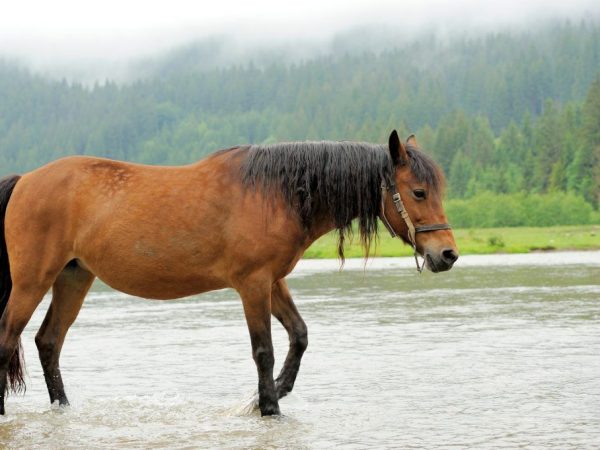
{"points": [[23, 300], [68, 293], [283, 308]]}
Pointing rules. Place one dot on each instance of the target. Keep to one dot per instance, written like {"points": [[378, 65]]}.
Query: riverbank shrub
{"points": [[487, 210]]}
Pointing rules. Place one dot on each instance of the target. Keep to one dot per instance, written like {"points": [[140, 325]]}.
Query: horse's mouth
{"points": [[436, 266], [430, 264]]}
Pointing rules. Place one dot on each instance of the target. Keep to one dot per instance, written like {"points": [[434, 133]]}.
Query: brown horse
{"points": [[241, 218]]}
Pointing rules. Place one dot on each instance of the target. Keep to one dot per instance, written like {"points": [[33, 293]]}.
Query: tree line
{"points": [[508, 113]]}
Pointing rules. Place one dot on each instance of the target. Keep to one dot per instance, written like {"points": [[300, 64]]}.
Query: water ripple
{"points": [[496, 354]]}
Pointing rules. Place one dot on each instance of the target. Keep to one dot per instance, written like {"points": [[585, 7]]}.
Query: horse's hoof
{"points": [[270, 410]]}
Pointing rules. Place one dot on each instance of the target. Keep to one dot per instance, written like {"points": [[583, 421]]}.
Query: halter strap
{"points": [[412, 230], [435, 227]]}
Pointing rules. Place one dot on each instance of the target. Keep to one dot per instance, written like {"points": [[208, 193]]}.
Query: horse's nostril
{"points": [[449, 255]]}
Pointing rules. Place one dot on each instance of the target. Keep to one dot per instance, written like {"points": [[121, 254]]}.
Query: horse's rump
{"points": [[16, 381]]}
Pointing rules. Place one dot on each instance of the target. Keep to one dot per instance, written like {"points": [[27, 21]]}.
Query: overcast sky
{"points": [[63, 31]]}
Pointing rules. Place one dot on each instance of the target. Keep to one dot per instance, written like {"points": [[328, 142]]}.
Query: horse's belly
{"points": [[156, 278]]}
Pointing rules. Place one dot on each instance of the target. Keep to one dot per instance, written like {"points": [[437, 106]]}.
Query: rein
{"points": [[412, 230]]}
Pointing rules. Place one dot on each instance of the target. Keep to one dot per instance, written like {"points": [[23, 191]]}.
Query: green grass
{"points": [[478, 241]]}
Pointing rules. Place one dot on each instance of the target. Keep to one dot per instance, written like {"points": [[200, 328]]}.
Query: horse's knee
{"points": [[300, 337], [264, 357]]}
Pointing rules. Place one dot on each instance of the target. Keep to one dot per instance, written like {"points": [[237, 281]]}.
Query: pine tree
{"points": [[591, 155]]}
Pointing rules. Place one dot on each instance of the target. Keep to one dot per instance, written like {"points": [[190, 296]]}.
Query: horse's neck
{"points": [[322, 224]]}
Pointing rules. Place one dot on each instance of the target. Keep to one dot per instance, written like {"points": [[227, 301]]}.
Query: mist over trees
{"points": [[508, 115]]}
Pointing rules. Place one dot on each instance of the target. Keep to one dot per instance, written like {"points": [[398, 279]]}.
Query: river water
{"points": [[502, 351]]}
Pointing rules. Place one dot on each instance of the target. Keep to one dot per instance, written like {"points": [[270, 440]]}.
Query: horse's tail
{"points": [[15, 378]]}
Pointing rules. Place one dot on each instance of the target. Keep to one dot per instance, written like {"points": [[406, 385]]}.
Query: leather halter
{"points": [[412, 230]]}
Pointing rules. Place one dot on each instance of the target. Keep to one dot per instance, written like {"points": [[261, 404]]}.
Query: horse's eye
{"points": [[420, 194]]}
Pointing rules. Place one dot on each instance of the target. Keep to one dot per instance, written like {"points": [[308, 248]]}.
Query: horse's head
{"points": [[416, 214]]}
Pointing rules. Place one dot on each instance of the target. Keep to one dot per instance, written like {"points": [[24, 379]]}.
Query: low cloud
{"points": [[74, 39]]}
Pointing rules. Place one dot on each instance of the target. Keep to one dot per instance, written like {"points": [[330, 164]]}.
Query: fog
{"points": [[119, 40]]}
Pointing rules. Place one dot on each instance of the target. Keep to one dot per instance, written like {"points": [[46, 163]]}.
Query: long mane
{"points": [[341, 180]]}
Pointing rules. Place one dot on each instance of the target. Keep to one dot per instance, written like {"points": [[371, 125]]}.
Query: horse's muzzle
{"points": [[442, 261]]}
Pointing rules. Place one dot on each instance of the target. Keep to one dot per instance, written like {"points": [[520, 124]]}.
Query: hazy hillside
{"points": [[502, 112]]}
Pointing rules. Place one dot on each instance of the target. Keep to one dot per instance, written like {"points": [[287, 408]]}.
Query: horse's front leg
{"points": [[256, 297], [283, 308]]}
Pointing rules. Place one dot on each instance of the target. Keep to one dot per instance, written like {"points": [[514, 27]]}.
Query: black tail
{"points": [[16, 380]]}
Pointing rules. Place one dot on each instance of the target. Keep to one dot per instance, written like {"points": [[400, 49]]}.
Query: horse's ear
{"points": [[397, 150], [412, 141]]}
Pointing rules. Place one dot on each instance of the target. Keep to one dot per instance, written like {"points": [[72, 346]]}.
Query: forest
{"points": [[513, 117]]}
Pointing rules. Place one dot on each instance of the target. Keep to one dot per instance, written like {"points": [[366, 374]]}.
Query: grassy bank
{"points": [[479, 241]]}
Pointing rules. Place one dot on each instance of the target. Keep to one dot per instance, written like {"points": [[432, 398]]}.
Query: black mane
{"points": [[339, 179]]}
